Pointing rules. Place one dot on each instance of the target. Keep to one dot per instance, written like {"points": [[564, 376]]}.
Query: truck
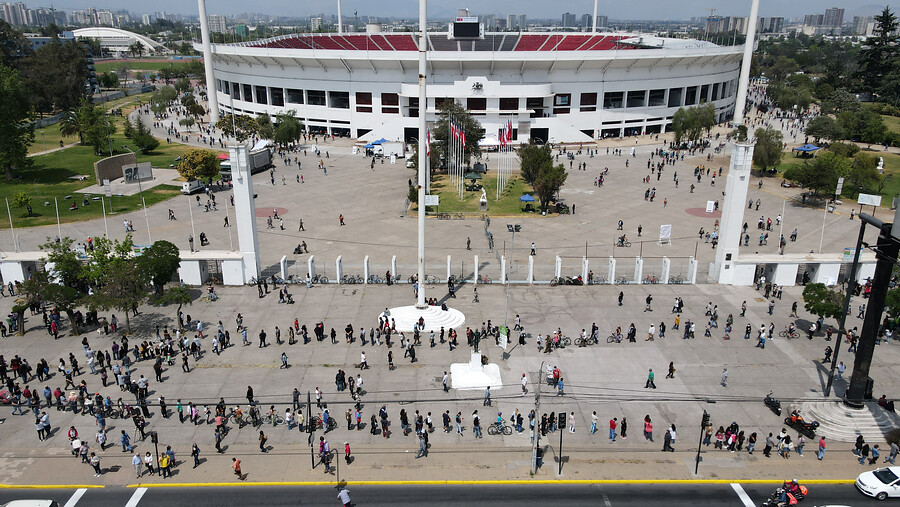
{"points": [[260, 160], [192, 186]]}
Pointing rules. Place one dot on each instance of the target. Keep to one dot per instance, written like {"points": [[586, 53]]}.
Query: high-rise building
{"points": [[602, 21], [834, 17], [315, 23], [216, 23], [586, 22], [813, 20], [568, 20], [146, 19], [511, 21], [771, 25], [862, 24], [105, 18], [523, 22]]}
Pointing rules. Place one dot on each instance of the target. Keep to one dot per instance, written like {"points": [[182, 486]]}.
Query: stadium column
{"points": [[211, 94], [736, 184], [245, 211], [423, 159]]}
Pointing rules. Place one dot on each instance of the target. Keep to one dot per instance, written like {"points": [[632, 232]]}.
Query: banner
{"points": [[665, 232]]}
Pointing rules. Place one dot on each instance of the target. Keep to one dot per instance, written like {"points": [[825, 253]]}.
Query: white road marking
{"points": [[745, 498], [606, 501], [75, 497], [139, 493]]}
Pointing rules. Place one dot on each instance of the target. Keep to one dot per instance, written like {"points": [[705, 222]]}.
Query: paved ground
{"points": [[512, 495]]}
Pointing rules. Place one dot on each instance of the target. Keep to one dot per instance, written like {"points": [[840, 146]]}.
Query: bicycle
{"points": [[625, 243], [622, 280], [454, 280], [650, 279], [675, 280], [317, 422], [787, 333], [431, 279], [582, 342], [497, 429], [613, 338], [320, 279], [598, 280], [375, 279], [273, 420], [484, 279], [234, 418], [564, 341]]}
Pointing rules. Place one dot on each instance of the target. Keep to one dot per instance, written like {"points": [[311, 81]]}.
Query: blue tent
{"points": [[380, 141], [369, 146], [807, 148], [526, 198]]}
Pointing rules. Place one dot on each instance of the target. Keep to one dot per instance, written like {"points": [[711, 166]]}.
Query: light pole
{"points": [[513, 228], [141, 190]]}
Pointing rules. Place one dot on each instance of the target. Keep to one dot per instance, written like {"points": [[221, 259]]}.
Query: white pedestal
{"points": [[473, 375]]}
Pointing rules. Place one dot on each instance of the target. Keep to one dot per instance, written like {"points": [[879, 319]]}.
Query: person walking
{"points": [[671, 373], [650, 384], [487, 397], [195, 453], [524, 385], [725, 377], [236, 466], [770, 443], [821, 453], [893, 453]]}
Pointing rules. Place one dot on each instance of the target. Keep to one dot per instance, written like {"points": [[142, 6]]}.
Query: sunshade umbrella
{"points": [[526, 198], [223, 156]]}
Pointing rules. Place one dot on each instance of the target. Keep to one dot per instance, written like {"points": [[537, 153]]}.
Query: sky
{"points": [[644, 9]]}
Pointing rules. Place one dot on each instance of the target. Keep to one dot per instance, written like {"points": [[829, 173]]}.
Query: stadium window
{"points": [[278, 97], [690, 96], [248, 93], [613, 100], [704, 93], [364, 98], [715, 95], [675, 95], [562, 100], [315, 97], [236, 91], [509, 104], [657, 98], [339, 100], [294, 96], [637, 98], [261, 96], [476, 104], [390, 99]]}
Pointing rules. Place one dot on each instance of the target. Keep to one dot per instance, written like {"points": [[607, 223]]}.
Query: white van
{"points": [[192, 187]]}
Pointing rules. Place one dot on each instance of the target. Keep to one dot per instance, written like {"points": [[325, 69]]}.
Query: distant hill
{"points": [[869, 10]]}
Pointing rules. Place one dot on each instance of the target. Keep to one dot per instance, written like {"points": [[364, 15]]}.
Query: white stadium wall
{"points": [[558, 96]]}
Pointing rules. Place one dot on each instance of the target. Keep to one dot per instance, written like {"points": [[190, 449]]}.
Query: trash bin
{"points": [[540, 457], [870, 386]]}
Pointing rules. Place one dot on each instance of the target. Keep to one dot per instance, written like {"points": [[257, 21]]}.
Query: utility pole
{"points": [[703, 424], [311, 428], [562, 427], [536, 433]]}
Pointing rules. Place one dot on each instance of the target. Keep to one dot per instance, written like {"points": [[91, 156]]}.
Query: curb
{"points": [[52, 486], [511, 482]]}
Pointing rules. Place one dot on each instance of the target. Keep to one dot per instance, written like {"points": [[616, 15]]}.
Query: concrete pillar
{"points": [[611, 274], [476, 270], [692, 270], [558, 268], [666, 268], [244, 210], [584, 268], [502, 269], [449, 268], [530, 269], [744, 80], [366, 269], [338, 269], [283, 265], [211, 93], [393, 267], [730, 227], [340, 24], [638, 269], [311, 266]]}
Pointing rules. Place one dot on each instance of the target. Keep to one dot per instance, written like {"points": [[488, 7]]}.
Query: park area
{"points": [[508, 204]]}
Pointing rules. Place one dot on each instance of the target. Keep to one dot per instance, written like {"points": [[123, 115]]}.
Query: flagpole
{"points": [[11, 229], [58, 227]]}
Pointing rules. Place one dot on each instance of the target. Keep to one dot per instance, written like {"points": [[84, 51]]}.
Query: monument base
{"points": [[841, 423], [475, 375], [406, 318]]}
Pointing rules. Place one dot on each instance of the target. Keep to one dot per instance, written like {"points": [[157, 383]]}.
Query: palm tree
{"points": [[70, 125]]}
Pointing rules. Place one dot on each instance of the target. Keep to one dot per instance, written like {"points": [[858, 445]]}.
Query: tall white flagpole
{"points": [[11, 230], [58, 227], [423, 160]]}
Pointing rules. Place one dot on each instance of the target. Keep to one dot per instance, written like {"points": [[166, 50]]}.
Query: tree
{"points": [[239, 127], [159, 263], [840, 100], [288, 129], [462, 119], [118, 283], [822, 301], [108, 80], [95, 128], [768, 148], [863, 172], [16, 127], [166, 74], [22, 200], [196, 164], [864, 125], [549, 180], [689, 123], [187, 122], [55, 76], [531, 159], [182, 85], [176, 295], [879, 51], [822, 173], [824, 127], [266, 130], [142, 137], [14, 46], [136, 49]]}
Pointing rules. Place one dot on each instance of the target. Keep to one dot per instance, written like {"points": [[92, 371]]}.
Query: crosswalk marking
{"points": [[75, 497], [745, 498], [136, 497]]}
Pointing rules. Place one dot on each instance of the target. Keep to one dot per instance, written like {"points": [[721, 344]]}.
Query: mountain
{"points": [[868, 10]]}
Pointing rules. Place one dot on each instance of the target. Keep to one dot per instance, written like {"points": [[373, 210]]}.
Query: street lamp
{"points": [[513, 228], [141, 190]]}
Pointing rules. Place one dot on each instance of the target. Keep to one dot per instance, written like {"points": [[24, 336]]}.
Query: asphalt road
{"points": [[493, 495]]}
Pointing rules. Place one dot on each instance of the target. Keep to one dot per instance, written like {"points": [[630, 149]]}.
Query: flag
{"points": [[509, 130], [462, 134], [502, 136], [428, 143]]}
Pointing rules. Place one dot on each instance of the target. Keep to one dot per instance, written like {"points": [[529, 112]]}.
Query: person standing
{"points": [[623, 428], [137, 465], [195, 453], [524, 385], [770, 443], [594, 420], [445, 381], [821, 453], [667, 442], [612, 428], [487, 397]]}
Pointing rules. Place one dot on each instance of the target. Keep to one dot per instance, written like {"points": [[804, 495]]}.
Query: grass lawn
{"points": [[891, 122], [508, 204]]}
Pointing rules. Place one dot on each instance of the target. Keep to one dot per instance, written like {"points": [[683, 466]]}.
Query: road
{"points": [[607, 495]]}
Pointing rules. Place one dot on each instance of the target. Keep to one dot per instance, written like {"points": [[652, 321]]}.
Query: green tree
{"points": [[16, 127], [183, 85], [864, 125], [14, 46], [462, 118], [108, 80], [288, 129], [532, 158], [187, 122], [879, 51], [117, 282], [136, 49], [549, 180], [822, 301], [689, 123], [824, 127], [840, 100], [768, 149], [159, 263], [95, 128], [238, 126], [821, 174], [176, 295], [55, 76], [142, 137], [265, 128], [22, 200], [862, 173], [196, 164]]}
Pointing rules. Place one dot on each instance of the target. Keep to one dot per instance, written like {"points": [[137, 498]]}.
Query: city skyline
{"points": [[532, 9]]}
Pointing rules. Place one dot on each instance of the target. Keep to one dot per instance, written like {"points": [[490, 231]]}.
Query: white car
{"points": [[880, 483], [31, 503]]}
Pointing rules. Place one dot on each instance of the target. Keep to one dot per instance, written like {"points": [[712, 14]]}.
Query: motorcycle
{"points": [[796, 421], [772, 403], [791, 498]]}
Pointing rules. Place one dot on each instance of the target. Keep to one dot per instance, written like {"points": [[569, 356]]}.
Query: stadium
{"points": [[553, 87]]}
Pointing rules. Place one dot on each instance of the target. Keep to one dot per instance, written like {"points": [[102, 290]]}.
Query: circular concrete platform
{"points": [[406, 318]]}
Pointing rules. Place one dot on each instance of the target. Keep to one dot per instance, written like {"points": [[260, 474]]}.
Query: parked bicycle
{"points": [[375, 279], [317, 421], [484, 279], [622, 280], [614, 338], [320, 279], [650, 279], [677, 279]]}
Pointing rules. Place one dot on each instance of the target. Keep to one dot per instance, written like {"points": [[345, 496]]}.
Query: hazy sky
{"points": [[645, 9]]}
